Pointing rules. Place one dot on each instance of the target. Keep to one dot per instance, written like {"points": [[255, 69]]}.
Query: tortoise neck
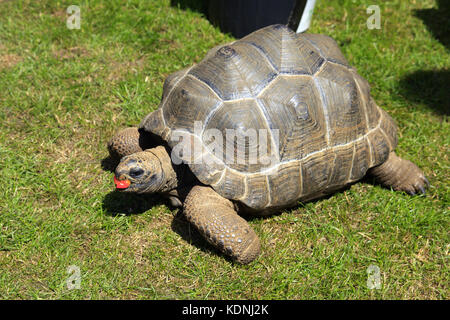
{"points": [[170, 172]]}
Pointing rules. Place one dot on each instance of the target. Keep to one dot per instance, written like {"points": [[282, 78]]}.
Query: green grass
{"points": [[63, 93]]}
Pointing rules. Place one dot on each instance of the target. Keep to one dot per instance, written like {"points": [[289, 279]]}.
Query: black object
{"points": [[240, 17]]}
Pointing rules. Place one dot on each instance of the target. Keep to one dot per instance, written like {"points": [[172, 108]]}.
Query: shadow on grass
{"points": [[429, 87], [437, 21], [109, 164], [120, 203], [190, 234]]}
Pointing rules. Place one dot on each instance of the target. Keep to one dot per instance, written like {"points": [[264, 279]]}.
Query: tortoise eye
{"points": [[136, 172]]}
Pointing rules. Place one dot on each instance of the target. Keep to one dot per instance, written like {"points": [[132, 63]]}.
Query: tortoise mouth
{"points": [[121, 184], [127, 185]]}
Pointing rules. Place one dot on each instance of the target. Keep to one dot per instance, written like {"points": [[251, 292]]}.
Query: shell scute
{"points": [[342, 102], [295, 110], [235, 71]]}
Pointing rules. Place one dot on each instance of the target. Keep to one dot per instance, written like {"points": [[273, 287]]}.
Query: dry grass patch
{"points": [[117, 70], [9, 60], [70, 53]]}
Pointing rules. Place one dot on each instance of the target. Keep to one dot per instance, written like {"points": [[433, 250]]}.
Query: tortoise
{"points": [[321, 129]]}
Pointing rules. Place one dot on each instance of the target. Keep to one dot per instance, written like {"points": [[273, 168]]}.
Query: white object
{"points": [[305, 21]]}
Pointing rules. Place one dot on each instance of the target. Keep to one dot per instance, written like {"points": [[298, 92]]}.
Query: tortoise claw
{"points": [[422, 190]]}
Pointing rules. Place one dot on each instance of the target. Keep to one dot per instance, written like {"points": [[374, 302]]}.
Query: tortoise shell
{"points": [[323, 128]]}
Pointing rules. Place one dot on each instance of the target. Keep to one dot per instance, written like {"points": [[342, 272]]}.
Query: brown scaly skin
{"points": [[218, 222], [400, 175], [152, 170], [124, 143]]}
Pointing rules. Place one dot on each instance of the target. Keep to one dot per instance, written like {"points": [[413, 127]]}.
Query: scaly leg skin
{"points": [[218, 222], [400, 175], [124, 143]]}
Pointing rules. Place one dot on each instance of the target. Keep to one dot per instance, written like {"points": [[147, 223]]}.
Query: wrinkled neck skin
{"points": [[177, 179], [169, 171]]}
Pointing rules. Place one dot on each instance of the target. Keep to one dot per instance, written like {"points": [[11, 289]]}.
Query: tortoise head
{"points": [[140, 172], [147, 171]]}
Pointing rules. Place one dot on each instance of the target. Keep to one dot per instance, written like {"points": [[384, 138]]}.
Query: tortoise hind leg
{"points": [[218, 222], [400, 175]]}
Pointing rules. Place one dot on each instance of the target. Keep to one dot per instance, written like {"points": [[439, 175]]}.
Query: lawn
{"points": [[64, 92]]}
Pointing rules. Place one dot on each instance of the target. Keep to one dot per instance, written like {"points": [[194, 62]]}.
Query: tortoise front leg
{"points": [[125, 142], [218, 222], [400, 175]]}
